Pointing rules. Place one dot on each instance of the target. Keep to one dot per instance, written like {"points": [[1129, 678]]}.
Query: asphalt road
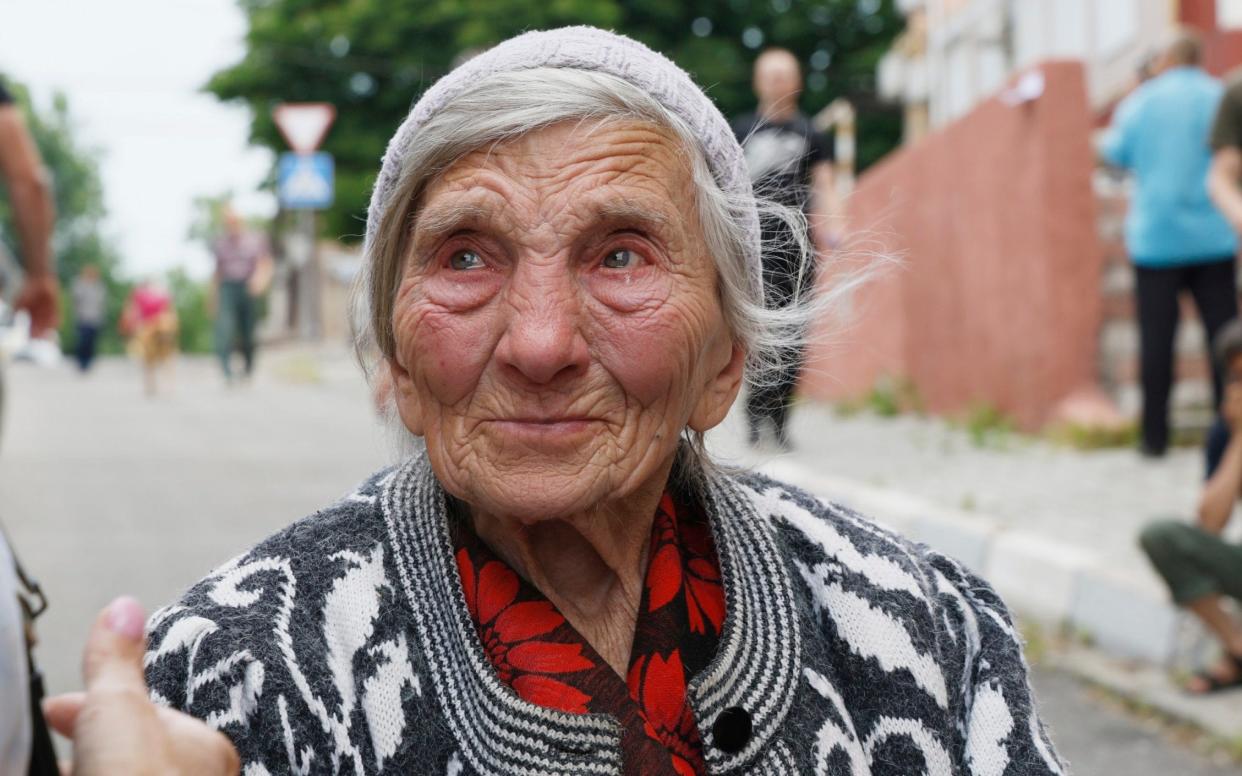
{"points": [[105, 492], [1098, 739]]}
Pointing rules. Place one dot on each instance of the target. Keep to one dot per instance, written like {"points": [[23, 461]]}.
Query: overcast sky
{"points": [[132, 70]]}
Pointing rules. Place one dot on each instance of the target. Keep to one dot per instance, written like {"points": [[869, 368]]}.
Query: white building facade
{"points": [[957, 53]]}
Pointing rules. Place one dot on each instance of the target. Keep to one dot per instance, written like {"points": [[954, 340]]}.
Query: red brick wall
{"points": [[1223, 48], [998, 297]]}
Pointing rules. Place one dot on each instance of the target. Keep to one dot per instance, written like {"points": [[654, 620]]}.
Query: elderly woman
{"points": [[564, 285]]}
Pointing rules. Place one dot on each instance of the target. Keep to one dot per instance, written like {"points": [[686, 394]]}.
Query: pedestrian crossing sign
{"points": [[304, 181]]}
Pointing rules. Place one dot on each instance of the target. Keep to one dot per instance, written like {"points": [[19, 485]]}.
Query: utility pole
{"points": [[304, 183]]}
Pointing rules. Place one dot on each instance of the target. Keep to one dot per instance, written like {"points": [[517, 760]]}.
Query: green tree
{"points": [[372, 59], [78, 239], [194, 334]]}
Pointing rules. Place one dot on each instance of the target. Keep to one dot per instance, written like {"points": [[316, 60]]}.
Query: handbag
{"points": [[33, 602]]}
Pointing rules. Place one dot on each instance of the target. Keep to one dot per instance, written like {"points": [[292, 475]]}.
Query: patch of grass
{"points": [[1184, 436], [1036, 641], [1085, 437], [987, 426], [888, 398], [1083, 636], [1234, 747]]}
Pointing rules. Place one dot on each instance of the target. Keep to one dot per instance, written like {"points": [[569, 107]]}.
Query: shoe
{"points": [[1210, 683]]}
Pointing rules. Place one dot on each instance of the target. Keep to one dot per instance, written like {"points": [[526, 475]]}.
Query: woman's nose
{"points": [[543, 340]]}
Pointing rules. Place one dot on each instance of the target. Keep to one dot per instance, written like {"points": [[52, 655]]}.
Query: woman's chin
{"points": [[532, 488], [532, 474]]}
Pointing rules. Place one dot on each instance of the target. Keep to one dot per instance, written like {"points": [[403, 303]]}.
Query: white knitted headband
{"points": [[584, 48]]}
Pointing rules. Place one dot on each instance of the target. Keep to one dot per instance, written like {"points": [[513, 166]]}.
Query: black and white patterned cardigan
{"points": [[343, 645]]}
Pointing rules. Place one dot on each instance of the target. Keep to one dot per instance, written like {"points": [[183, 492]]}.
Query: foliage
{"points": [[888, 398], [987, 426], [190, 300], [1082, 436], [207, 220], [78, 239], [372, 58]]}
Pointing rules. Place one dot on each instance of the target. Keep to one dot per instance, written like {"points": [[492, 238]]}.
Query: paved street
{"points": [[1098, 499], [1098, 740], [105, 492]]}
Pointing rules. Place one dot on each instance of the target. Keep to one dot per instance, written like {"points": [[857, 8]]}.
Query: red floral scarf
{"points": [[543, 658]]}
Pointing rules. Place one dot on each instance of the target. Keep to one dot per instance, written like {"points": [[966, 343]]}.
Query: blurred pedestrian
{"points": [[151, 323], [243, 272], [90, 302], [1198, 565], [1176, 238], [25, 746], [790, 163], [1225, 178]]}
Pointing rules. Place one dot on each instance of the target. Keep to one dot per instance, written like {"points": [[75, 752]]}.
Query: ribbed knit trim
{"points": [[499, 732], [756, 667], [758, 662]]}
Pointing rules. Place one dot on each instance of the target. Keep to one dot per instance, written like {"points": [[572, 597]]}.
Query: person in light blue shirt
{"points": [[1176, 238]]}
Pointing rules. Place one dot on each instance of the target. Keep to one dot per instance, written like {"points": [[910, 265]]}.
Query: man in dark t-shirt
{"points": [[790, 163], [1197, 564]]}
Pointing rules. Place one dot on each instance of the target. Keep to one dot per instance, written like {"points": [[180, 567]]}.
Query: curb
{"points": [[1220, 716], [1055, 584]]}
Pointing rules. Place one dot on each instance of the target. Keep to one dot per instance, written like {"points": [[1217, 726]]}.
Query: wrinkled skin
{"points": [[558, 324], [557, 328]]}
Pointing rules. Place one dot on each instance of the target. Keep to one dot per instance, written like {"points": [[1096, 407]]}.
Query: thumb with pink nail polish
{"points": [[114, 725]]}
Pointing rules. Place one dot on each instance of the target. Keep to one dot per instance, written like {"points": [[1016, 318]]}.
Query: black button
{"points": [[731, 730]]}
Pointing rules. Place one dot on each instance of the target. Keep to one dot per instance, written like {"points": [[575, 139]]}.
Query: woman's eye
{"points": [[465, 260], [622, 258]]}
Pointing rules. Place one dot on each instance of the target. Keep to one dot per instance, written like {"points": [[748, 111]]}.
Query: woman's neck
{"points": [[591, 566]]}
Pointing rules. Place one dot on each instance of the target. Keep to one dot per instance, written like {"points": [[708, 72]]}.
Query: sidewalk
{"points": [[1053, 529]]}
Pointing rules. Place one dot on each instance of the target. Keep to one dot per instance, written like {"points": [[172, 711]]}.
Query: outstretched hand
{"points": [[40, 296], [114, 725]]}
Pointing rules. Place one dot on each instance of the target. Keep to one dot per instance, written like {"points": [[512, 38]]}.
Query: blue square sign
{"points": [[304, 181]]}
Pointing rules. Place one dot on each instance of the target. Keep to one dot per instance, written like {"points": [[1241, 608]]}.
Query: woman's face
{"points": [[557, 324]]}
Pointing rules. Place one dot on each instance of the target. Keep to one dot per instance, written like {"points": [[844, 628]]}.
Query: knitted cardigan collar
{"points": [[756, 667]]}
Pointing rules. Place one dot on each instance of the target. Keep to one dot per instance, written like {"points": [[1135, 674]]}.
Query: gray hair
{"points": [[506, 105], [1184, 46]]}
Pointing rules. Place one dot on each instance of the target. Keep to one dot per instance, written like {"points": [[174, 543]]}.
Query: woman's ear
{"points": [[395, 385], [724, 382]]}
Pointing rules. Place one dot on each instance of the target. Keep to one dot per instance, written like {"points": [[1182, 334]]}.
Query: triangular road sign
{"points": [[304, 124]]}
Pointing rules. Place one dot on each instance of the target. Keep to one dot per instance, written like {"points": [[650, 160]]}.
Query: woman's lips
{"points": [[544, 428]]}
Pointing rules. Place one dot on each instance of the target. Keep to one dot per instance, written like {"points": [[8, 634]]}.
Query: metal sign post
{"points": [[305, 182]]}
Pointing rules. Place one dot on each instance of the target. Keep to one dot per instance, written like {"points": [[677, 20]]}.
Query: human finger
{"points": [[61, 711], [112, 659], [198, 749]]}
